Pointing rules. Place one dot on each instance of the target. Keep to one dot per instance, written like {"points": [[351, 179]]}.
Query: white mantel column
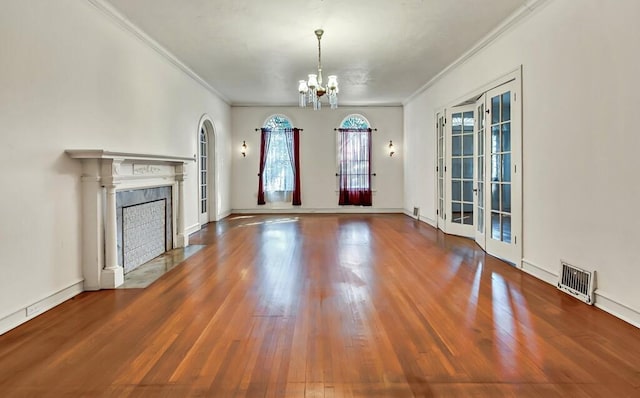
{"points": [[112, 274], [183, 238]]}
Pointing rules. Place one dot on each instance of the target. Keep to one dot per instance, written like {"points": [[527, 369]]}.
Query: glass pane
{"points": [[467, 144], [468, 214], [495, 226], [495, 196], [506, 229], [203, 206], [480, 194], [495, 110], [480, 220], [506, 167], [506, 137], [456, 123], [506, 198], [203, 177], [456, 213], [495, 168], [506, 106], [456, 146], [468, 121], [481, 143], [441, 207], [495, 139], [481, 168], [440, 183], [456, 168], [456, 188], [440, 168], [467, 190], [467, 168]]}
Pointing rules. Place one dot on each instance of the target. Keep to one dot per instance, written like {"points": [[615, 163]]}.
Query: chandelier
{"points": [[311, 91]]}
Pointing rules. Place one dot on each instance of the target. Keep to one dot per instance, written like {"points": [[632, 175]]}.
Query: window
{"points": [[279, 160], [354, 161]]}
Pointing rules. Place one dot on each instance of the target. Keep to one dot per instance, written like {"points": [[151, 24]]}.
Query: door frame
{"points": [[212, 206]]}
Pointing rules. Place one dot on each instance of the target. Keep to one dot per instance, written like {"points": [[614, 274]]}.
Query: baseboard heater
{"points": [[577, 282]]}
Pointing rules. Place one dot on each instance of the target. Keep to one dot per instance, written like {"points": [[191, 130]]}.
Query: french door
{"points": [[502, 182], [479, 175], [440, 167], [481, 153], [459, 171], [203, 177]]}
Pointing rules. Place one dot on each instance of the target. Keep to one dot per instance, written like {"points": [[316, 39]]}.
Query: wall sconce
{"points": [[243, 149], [392, 150]]}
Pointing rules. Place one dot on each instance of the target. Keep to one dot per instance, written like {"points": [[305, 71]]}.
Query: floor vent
{"points": [[577, 282], [416, 212]]}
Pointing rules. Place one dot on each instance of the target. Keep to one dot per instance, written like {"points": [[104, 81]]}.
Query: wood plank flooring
{"points": [[326, 306]]}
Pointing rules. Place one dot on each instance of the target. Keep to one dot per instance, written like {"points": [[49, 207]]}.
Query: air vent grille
{"points": [[577, 282]]}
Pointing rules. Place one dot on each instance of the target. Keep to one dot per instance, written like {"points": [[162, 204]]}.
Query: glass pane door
{"points": [[203, 217], [440, 170], [503, 199], [479, 177], [460, 176]]}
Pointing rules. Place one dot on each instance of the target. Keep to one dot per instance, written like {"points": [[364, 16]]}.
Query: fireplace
{"points": [[144, 222], [132, 211]]}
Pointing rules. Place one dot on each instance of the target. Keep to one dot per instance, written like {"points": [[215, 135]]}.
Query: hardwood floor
{"points": [[326, 306]]}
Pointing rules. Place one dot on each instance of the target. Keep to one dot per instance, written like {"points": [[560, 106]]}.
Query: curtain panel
{"points": [[355, 167], [292, 137]]}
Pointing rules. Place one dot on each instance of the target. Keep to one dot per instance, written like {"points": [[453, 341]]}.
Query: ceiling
{"points": [[253, 52]]}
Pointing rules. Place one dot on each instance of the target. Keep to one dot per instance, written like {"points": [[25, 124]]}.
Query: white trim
{"points": [[192, 229], [224, 214], [492, 36], [20, 316], [429, 221], [294, 210], [539, 272], [605, 302], [128, 26]]}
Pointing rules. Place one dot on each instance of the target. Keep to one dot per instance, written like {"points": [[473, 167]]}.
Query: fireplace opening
{"points": [[143, 219]]}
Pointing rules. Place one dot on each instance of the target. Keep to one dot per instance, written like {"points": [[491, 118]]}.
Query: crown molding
{"points": [[124, 23], [515, 18]]}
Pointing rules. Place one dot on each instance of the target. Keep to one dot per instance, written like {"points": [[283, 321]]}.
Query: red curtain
{"points": [[293, 145], [265, 137], [355, 167]]}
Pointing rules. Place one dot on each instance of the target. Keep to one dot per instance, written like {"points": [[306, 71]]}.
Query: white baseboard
{"points": [[31, 311], [428, 220], [193, 228], [605, 302], [297, 210], [224, 215], [539, 272]]}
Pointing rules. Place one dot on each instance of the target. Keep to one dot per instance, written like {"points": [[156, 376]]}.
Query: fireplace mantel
{"points": [[103, 174]]}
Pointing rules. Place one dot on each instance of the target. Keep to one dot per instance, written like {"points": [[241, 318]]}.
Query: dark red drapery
{"points": [[355, 167], [293, 147], [265, 135]]}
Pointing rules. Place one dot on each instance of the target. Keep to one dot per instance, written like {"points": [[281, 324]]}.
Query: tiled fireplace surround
{"points": [[106, 175]]}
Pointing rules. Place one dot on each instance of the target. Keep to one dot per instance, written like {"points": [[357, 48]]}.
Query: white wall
{"points": [[317, 156], [70, 77], [580, 160]]}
